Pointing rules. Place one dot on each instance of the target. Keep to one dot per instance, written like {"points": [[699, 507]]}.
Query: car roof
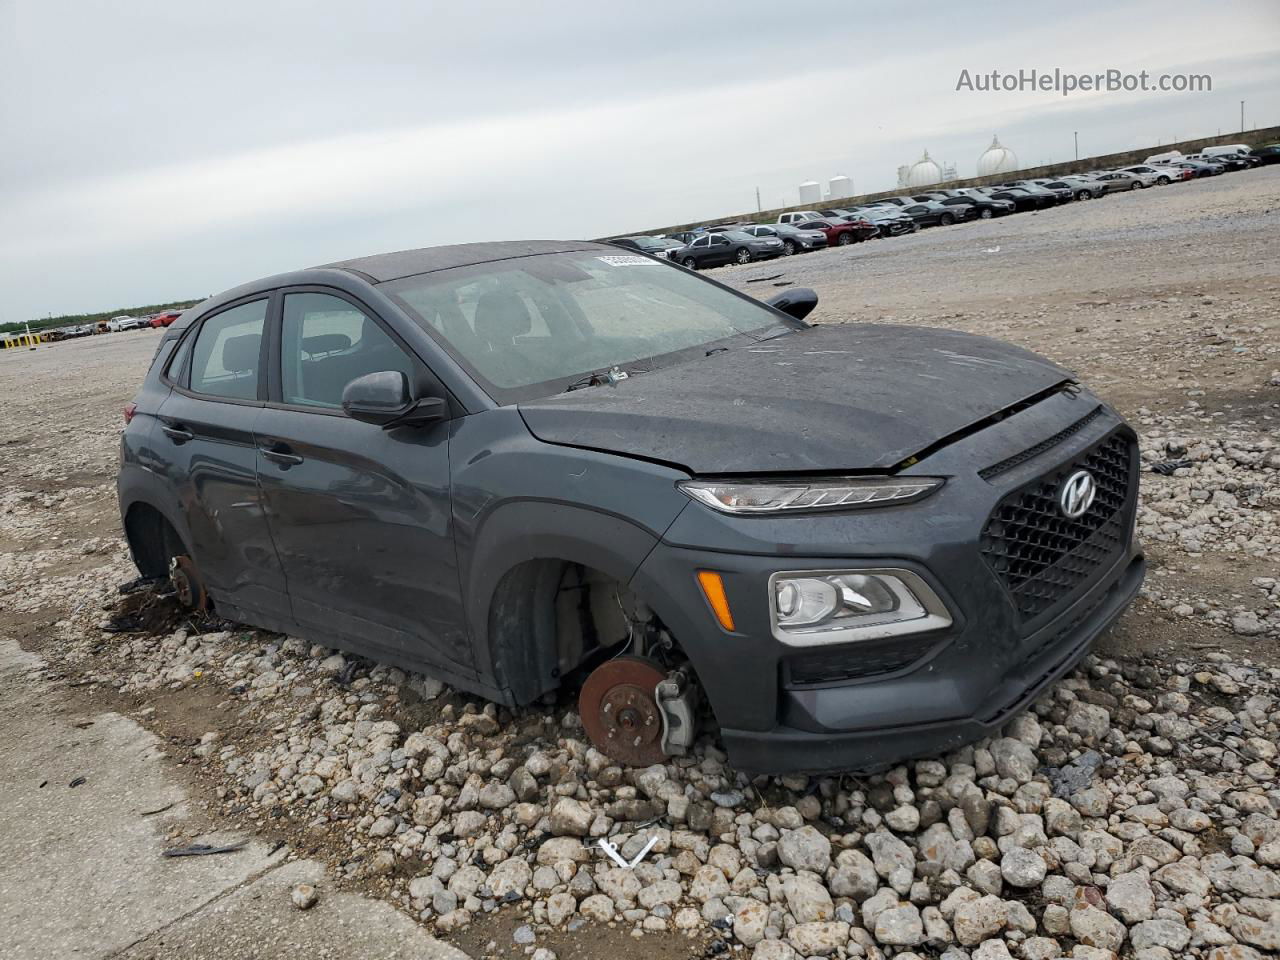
{"points": [[407, 263]]}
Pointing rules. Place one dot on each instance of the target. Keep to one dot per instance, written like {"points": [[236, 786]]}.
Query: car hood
{"points": [[832, 397]]}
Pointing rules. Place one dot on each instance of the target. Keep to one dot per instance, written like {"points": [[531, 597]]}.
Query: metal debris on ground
{"points": [[1166, 468], [763, 279], [202, 850]]}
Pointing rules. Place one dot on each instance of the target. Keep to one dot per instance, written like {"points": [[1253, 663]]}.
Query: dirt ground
{"points": [[1165, 301]]}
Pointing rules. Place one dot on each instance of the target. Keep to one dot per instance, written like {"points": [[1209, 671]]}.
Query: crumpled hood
{"points": [[834, 397]]}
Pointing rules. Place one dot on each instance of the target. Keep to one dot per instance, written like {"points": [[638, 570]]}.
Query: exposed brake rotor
{"points": [[620, 712], [187, 585]]}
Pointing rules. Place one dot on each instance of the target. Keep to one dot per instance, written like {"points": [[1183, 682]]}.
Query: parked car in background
{"points": [[165, 317], [1023, 199], [903, 201], [1226, 150], [1228, 161], [799, 216], [654, 246], [932, 213], [1198, 168], [794, 239], [1082, 188], [1149, 175], [984, 208], [1116, 181], [1059, 195], [890, 220], [123, 322], [841, 233], [732, 246], [1268, 153]]}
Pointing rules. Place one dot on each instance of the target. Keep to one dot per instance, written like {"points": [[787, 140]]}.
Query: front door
{"points": [[205, 440], [360, 515]]}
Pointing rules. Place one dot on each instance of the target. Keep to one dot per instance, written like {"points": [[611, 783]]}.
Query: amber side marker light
{"points": [[713, 589]]}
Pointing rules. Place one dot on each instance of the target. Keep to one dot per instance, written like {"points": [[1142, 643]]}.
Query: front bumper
{"points": [[785, 709]]}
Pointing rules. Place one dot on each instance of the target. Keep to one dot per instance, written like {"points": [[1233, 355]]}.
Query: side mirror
{"points": [[798, 303], [383, 398]]}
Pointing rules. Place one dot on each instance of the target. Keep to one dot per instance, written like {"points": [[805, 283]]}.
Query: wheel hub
{"points": [[187, 585], [620, 712]]}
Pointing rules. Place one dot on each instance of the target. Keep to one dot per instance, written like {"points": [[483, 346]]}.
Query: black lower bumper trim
{"points": [[788, 750]]}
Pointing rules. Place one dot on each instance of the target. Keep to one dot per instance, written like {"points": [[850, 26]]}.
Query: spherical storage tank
{"points": [[811, 192], [923, 172], [997, 159], [839, 186]]}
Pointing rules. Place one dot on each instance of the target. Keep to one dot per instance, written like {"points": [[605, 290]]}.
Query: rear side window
{"points": [[224, 357], [326, 342], [176, 370]]}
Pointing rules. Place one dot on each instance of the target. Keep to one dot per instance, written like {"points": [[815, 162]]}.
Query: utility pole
{"points": [[1076, 134], [1242, 116], [759, 209]]}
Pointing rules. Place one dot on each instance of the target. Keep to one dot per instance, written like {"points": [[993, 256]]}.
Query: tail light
{"points": [[129, 410]]}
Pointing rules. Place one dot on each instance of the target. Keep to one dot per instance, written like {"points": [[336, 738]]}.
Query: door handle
{"points": [[177, 434], [282, 458]]}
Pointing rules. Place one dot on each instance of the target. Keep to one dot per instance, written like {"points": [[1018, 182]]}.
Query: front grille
{"points": [[858, 662], [1042, 556]]}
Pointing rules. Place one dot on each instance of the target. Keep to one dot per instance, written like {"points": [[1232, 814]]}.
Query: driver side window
{"points": [[326, 342]]}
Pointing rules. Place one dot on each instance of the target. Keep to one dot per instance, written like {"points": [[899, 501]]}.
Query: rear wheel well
{"points": [[552, 618], [152, 540]]}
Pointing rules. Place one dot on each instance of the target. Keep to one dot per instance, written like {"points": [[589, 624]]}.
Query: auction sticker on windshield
{"points": [[627, 261]]}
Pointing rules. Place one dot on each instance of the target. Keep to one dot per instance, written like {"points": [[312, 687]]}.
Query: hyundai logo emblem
{"points": [[1076, 495]]}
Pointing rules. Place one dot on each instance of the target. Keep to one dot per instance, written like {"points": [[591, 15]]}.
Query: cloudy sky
{"points": [[156, 150]]}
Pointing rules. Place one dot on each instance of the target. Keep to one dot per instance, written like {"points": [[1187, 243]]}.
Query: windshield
{"points": [[650, 243], [532, 326]]}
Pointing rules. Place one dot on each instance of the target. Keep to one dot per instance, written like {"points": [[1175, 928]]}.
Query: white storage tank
{"points": [[839, 186], [811, 192], [923, 172], [997, 158]]}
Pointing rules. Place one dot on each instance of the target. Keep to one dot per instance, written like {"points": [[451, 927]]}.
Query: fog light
{"points": [[821, 607]]}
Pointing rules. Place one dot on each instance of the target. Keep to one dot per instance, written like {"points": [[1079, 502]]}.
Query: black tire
{"points": [[1082, 195], [915, 227], [844, 239], [743, 256], [1162, 181], [689, 263], [1137, 185], [788, 248], [946, 220], [985, 213]]}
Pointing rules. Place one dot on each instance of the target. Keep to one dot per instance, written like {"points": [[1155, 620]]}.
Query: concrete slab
{"points": [[259, 922], [81, 873]]}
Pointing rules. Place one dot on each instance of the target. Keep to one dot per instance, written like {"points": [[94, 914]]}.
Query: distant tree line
{"points": [[75, 319]]}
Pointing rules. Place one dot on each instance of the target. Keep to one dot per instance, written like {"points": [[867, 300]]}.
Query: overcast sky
{"points": [[156, 150]]}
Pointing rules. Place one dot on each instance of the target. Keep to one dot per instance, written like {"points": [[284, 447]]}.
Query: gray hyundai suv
{"points": [[522, 466]]}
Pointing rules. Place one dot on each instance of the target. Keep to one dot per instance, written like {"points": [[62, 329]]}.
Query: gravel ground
{"points": [[1133, 811]]}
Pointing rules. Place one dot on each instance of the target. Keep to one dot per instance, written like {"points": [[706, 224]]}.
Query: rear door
{"points": [[205, 440], [360, 515]]}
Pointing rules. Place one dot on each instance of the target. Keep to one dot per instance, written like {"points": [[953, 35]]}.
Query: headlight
{"points": [[824, 494], [811, 608]]}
